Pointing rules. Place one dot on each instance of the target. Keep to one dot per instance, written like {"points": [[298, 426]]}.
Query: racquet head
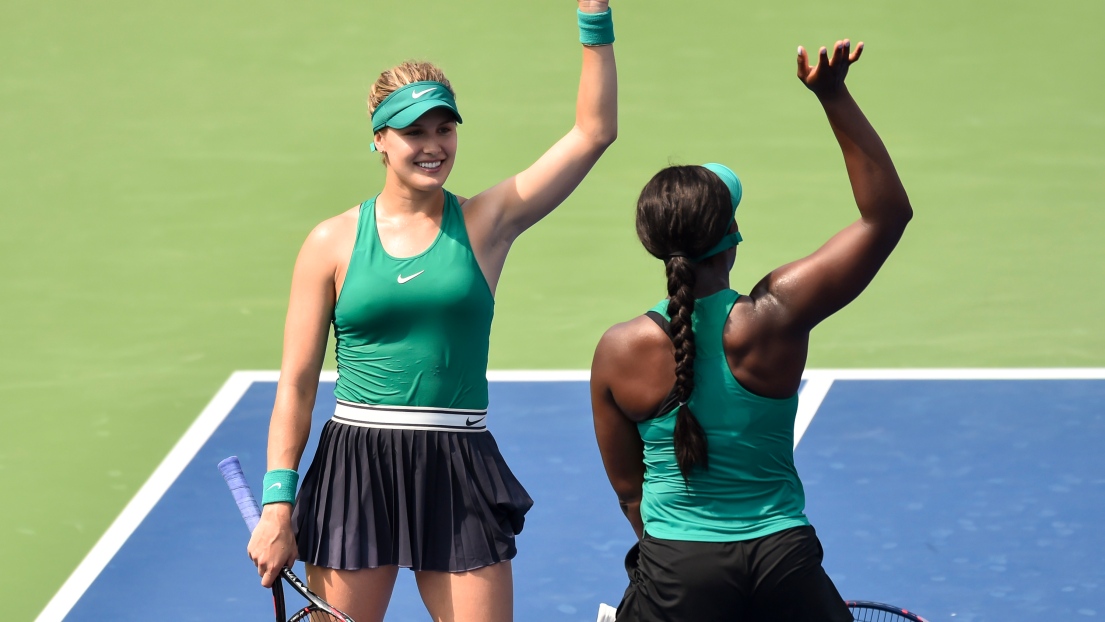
{"points": [[317, 610], [314, 614], [867, 611]]}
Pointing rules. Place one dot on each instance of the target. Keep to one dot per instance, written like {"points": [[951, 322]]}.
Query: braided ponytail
{"points": [[682, 212], [690, 438]]}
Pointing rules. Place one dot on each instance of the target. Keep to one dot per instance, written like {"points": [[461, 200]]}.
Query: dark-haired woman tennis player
{"points": [[694, 402], [406, 473]]}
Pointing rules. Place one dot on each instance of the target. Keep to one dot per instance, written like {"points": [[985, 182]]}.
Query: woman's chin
{"points": [[421, 182], [428, 179]]}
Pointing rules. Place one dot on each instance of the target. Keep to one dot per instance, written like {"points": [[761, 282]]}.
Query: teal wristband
{"points": [[279, 486], [595, 28]]}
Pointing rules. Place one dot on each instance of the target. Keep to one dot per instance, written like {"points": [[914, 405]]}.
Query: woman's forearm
{"points": [[290, 425], [597, 101], [878, 190]]}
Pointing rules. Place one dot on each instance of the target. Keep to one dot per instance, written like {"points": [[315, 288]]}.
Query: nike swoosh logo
{"points": [[403, 279], [276, 485], [417, 94], [469, 422]]}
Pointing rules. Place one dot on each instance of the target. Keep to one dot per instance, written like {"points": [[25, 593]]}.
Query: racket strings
{"points": [[313, 614], [867, 614]]}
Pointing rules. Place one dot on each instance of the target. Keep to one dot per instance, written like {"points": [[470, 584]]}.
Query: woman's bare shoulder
{"points": [[627, 346], [336, 226], [336, 234], [634, 364]]}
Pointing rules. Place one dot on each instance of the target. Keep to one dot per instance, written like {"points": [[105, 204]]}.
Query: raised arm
{"points": [[500, 214], [811, 289], [272, 545]]}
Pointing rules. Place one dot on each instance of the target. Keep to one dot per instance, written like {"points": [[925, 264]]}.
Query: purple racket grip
{"points": [[243, 496]]}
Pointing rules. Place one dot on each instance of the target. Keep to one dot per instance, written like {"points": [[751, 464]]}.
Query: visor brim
{"points": [[410, 114]]}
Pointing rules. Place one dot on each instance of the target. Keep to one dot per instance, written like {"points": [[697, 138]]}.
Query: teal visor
{"points": [[411, 101], [732, 182]]}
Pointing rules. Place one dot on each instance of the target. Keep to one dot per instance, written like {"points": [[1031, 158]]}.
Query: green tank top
{"points": [[751, 488], [414, 331]]}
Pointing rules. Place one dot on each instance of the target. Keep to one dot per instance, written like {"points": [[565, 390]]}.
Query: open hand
{"points": [[594, 6], [827, 78]]}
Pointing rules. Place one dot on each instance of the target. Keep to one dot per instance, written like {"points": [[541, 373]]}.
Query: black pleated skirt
{"points": [[425, 500]]}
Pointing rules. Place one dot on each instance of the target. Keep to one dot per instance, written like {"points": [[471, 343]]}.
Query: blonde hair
{"points": [[402, 75]]}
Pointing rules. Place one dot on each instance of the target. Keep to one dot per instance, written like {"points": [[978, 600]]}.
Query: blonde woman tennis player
{"points": [[406, 473]]}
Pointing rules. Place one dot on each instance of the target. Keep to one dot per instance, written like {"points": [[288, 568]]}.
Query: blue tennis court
{"points": [[964, 495]]}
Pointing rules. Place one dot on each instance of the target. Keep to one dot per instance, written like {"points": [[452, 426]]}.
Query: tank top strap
{"points": [[452, 221], [366, 223], [710, 315], [707, 321], [670, 400]]}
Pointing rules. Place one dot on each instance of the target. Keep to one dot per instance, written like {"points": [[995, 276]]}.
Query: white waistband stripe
{"points": [[410, 417]]}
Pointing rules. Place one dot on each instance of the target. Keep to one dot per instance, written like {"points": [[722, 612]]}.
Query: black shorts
{"points": [[776, 578]]}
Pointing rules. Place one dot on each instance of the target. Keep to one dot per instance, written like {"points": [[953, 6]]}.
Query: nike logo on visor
{"points": [[403, 279], [417, 94], [469, 422]]}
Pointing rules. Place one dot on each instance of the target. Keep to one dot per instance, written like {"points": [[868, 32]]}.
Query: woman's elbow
{"points": [[599, 138], [906, 211], [606, 137], [628, 499], [892, 216]]}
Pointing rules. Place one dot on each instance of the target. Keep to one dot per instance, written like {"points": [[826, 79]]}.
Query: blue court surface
{"points": [[964, 495]]}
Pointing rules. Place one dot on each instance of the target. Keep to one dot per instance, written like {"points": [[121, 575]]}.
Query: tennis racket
{"points": [[317, 609], [867, 611]]}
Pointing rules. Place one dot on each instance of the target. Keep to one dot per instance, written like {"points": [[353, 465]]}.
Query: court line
{"points": [[980, 373], [818, 383], [905, 373], [146, 498], [539, 375], [809, 400]]}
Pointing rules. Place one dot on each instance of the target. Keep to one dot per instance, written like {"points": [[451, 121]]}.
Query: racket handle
{"points": [[243, 496]]}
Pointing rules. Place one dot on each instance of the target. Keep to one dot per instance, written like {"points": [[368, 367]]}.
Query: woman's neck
{"points": [[711, 276], [399, 198]]}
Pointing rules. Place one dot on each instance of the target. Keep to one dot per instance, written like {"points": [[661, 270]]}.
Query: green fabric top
{"points": [[751, 488], [414, 331]]}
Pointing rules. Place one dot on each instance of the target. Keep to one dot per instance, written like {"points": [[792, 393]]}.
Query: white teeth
{"points": [[429, 165]]}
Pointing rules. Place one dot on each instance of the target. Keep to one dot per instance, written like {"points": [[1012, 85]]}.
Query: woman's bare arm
{"points": [[619, 441], [310, 307], [497, 216], [807, 291]]}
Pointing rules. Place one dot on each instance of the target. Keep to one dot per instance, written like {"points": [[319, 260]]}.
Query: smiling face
{"points": [[420, 155]]}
